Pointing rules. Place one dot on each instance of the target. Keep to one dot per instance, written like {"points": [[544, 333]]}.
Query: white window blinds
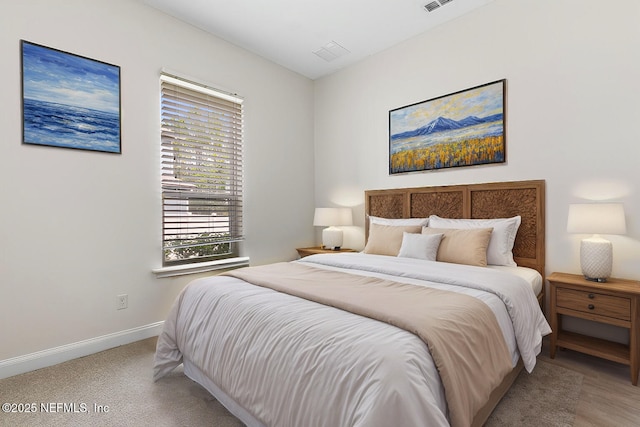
{"points": [[201, 152]]}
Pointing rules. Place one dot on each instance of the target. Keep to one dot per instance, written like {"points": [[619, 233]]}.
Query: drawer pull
{"points": [[591, 296], [591, 306]]}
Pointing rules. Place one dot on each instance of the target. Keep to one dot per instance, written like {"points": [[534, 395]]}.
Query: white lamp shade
{"points": [[596, 218], [596, 253], [325, 217]]}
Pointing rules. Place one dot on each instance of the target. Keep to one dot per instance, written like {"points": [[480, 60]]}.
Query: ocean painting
{"points": [[465, 128], [69, 101]]}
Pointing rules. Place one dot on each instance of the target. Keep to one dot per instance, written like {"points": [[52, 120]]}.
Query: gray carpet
{"points": [[120, 379], [546, 397]]}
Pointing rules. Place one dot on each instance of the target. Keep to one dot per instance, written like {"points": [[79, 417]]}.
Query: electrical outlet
{"points": [[122, 301]]}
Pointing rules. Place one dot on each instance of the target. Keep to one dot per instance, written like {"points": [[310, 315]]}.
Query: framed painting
{"points": [[464, 128], [69, 101]]}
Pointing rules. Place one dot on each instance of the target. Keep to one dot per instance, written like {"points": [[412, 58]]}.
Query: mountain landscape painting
{"points": [[69, 101], [465, 128]]}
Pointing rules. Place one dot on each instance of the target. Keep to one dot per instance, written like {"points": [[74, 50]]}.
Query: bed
{"points": [[372, 339]]}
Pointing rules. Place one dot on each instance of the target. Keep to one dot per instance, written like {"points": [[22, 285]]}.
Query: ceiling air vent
{"points": [[331, 51], [430, 7]]}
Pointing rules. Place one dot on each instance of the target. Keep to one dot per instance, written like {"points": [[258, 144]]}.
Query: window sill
{"points": [[201, 267]]}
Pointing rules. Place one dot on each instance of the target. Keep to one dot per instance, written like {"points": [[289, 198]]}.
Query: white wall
{"points": [[78, 228], [572, 70]]}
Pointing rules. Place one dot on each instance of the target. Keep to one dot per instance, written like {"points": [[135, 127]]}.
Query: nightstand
{"points": [[303, 252], [615, 302]]}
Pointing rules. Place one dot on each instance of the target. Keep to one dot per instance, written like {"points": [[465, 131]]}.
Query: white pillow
{"points": [[398, 221], [420, 246], [499, 251]]}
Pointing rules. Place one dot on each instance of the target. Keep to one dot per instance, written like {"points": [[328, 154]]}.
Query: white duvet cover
{"points": [[279, 360]]}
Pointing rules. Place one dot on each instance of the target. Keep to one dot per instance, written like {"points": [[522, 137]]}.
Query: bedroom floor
{"points": [[607, 398], [120, 380]]}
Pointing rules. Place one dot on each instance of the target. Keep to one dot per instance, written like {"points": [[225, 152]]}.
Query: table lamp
{"points": [[332, 218], [596, 254]]}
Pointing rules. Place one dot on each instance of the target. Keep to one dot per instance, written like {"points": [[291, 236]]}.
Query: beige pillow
{"points": [[467, 246], [387, 239]]}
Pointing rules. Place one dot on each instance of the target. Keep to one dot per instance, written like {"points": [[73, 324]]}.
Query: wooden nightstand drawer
{"points": [[594, 303]]}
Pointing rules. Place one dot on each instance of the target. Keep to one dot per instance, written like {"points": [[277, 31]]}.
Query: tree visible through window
{"points": [[201, 153]]}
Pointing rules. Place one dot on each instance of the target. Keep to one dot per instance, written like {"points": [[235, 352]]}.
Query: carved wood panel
{"points": [[387, 205], [443, 204], [508, 203]]}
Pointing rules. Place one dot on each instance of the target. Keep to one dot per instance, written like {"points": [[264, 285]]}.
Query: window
{"points": [[201, 155]]}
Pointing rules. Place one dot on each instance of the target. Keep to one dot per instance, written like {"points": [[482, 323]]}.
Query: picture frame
{"points": [[69, 101], [464, 128]]}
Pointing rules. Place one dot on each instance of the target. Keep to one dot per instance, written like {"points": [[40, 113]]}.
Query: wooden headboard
{"points": [[492, 200]]}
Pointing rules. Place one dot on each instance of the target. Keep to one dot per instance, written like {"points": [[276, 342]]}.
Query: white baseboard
{"points": [[53, 356]]}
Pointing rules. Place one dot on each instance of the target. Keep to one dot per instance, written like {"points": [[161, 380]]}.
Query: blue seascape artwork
{"points": [[69, 101]]}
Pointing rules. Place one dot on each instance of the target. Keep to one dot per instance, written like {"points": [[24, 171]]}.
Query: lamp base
{"points": [[594, 279], [596, 259], [332, 238]]}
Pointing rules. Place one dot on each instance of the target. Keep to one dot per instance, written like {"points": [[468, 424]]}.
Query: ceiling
{"points": [[288, 32]]}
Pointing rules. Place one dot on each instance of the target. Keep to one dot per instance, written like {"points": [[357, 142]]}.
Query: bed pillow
{"points": [[387, 239], [420, 246], [462, 246], [503, 236], [398, 221]]}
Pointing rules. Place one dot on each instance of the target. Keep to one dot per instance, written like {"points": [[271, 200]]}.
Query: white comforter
{"points": [[287, 361]]}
